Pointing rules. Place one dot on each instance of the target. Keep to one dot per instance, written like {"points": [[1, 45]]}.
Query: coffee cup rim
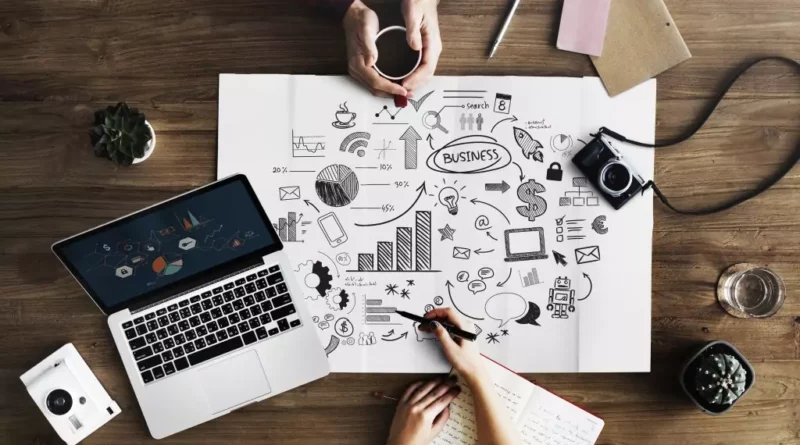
{"points": [[375, 66]]}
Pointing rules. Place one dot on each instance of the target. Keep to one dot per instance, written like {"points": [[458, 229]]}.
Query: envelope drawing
{"points": [[289, 193], [589, 254], [461, 253]]}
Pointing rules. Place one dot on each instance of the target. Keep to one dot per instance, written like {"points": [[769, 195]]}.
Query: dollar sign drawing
{"points": [[536, 205], [343, 326]]}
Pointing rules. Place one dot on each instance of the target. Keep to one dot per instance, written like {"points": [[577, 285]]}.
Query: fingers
{"points": [[443, 402], [441, 389], [440, 421], [376, 82], [450, 316], [424, 390], [448, 344], [410, 391], [413, 19]]}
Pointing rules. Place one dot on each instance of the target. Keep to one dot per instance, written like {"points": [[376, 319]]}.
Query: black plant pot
{"points": [[687, 376]]}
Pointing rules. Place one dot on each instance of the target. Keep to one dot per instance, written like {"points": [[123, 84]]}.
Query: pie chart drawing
{"points": [[337, 185], [167, 264], [561, 142]]}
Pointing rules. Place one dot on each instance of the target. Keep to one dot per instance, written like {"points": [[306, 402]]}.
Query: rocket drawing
{"points": [[530, 146]]}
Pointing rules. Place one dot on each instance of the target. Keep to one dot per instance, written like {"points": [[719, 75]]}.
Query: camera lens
{"points": [[615, 178], [59, 402]]}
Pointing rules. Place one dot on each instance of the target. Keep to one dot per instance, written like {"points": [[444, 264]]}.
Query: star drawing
{"points": [[504, 331], [404, 293], [492, 338], [410, 282], [391, 289]]}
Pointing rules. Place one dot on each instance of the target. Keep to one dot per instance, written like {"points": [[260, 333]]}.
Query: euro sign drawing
{"points": [[536, 205]]}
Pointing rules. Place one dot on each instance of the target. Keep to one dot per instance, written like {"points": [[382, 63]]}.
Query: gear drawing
{"points": [[315, 276], [337, 299]]}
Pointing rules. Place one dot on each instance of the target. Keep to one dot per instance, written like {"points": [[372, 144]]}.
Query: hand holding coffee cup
{"points": [[396, 59], [422, 36]]}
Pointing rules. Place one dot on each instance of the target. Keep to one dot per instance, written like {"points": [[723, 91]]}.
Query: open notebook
{"points": [[541, 417]]}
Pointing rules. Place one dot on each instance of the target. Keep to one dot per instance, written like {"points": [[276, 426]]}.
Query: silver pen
{"points": [[503, 29]]}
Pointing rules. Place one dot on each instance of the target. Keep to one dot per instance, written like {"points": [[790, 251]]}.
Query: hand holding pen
{"points": [[463, 355]]}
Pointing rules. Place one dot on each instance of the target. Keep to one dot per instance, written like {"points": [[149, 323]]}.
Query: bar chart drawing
{"points": [[531, 278], [287, 227], [409, 252], [376, 313]]}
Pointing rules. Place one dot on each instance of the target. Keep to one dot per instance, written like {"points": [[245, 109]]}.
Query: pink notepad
{"points": [[583, 26]]}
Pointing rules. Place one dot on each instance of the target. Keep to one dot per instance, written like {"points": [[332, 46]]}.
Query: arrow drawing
{"points": [[449, 285], [479, 251], [411, 137], [506, 281], [476, 200], [521, 175], [430, 141], [421, 189], [388, 334], [403, 335], [591, 286], [310, 204], [495, 187], [512, 119], [489, 234], [560, 259]]}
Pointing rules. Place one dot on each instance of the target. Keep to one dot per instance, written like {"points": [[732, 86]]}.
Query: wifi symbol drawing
{"points": [[355, 143]]}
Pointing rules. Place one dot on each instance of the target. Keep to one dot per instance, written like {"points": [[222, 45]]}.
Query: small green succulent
{"points": [[720, 379], [120, 134]]}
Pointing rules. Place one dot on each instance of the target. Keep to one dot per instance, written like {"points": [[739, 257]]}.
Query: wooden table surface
{"points": [[62, 59]]}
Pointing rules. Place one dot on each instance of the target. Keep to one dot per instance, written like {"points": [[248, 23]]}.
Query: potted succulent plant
{"points": [[716, 377], [122, 134]]}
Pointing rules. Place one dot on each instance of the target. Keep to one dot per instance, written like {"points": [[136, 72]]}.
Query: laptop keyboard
{"points": [[198, 328]]}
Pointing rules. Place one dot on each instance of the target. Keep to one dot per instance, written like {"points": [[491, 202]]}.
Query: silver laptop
{"points": [[204, 309]]}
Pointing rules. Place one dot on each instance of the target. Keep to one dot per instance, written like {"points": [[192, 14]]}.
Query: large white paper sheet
{"points": [[452, 201]]}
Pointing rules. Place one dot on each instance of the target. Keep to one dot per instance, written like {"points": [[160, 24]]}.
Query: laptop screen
{"points": [[160, 247], [524, 241]]}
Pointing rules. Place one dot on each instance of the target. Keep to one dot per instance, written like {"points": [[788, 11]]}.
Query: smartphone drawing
{"points": [[332, 228]]}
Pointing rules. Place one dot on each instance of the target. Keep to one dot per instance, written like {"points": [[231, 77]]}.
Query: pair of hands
{"points": [[361, 26], [423, 409]]}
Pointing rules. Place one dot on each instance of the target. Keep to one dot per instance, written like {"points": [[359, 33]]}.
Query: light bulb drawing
{"points": [[448, 196]]}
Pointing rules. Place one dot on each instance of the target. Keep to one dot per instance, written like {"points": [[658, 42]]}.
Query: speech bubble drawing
{"points": [[462, 276], [485, 272], [470, 154], [531, 315], [315, 319], [328, 317], [476, 286], [343, 259], [505, 307], [324, 325]]}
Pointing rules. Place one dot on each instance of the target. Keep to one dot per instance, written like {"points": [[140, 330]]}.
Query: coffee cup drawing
{"points": [[399, 59], [344, 118]]}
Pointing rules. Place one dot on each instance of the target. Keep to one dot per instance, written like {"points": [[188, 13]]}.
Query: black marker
{"points": [[447, 327]]}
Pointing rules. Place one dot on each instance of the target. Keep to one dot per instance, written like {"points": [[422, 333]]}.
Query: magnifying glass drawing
{"points": [[432, 121]]}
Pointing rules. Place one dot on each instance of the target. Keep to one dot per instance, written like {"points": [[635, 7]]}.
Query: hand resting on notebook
{"points": [[423, 409]]}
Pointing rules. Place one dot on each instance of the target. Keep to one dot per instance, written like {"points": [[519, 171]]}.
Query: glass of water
{"points": [[750, 291]]}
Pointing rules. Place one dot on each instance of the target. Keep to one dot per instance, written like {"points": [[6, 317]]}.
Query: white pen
{"points": [[503, 29]]}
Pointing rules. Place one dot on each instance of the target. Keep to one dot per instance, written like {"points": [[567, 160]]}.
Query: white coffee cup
{"points": [[404, 31]]}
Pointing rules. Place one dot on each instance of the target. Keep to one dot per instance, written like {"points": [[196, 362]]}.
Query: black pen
{"points": [[447, 327]]}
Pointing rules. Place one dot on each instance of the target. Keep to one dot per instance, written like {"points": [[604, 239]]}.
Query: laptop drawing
{"points": [[203, 307], [525, 244]]}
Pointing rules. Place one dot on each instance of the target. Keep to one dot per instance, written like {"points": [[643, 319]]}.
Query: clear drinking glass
{"points": [[750, 291]]}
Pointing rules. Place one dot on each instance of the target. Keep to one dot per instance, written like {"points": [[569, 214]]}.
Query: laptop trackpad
{"points": [[234, 381]]}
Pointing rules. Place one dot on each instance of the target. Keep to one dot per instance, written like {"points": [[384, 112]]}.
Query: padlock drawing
{"points": [[554, 173]]}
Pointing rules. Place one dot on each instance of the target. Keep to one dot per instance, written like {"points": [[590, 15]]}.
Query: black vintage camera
{"points": [[607, 170]]}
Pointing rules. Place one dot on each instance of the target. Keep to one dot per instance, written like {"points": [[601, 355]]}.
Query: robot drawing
{"points": [[562, 298]]}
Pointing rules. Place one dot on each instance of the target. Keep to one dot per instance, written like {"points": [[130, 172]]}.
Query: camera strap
{"points": [[762, 187]]}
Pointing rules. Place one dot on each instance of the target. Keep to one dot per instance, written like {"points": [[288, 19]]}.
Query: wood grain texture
{"points": [[61, 59]]}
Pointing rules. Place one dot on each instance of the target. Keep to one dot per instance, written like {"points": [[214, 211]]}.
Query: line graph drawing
{"points": [[308, 146]]}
